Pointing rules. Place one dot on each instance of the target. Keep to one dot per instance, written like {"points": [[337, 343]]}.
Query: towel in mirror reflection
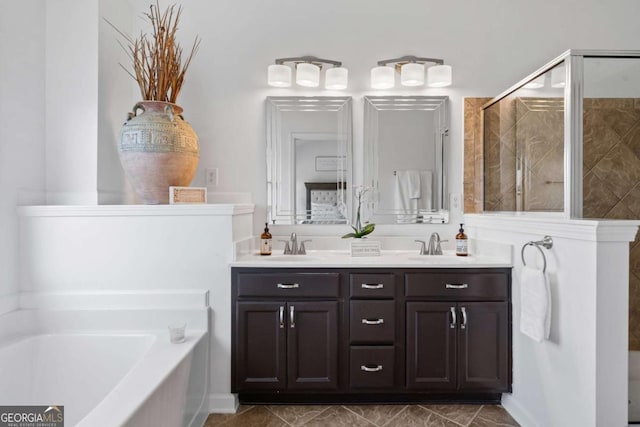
{"points": [[412, 194]]}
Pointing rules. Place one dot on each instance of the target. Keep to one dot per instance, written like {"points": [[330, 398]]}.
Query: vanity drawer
{"points": [[372, 367], [457, 285], [372, 322], [375, 285], [288, 285]]}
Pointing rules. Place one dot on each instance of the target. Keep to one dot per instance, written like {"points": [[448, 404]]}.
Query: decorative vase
{"points": [[158, 149]]}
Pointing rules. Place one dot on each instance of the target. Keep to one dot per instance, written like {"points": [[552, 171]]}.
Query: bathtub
{"points": [[107, 367]]}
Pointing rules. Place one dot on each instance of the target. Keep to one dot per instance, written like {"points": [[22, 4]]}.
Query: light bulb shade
{"points": [[412, 74], [382, 77], [558, 76], [279, 75], [536, 83], [439, 76], [336, 78], [307, 75]]}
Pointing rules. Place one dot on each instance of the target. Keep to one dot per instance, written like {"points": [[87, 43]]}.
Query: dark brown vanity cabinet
{"points": [[286, 332], [458, 331], [371, 334]]}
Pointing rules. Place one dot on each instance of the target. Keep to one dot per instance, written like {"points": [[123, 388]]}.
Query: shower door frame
{"points": [[573, 118]]}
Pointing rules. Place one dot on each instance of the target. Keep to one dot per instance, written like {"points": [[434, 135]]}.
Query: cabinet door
{"points": [[261, 346], [431, 346], [483, 356], [313, 345]]}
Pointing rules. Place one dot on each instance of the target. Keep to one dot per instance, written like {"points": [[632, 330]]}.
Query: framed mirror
{"points": [[404, 158], [308, 160]]}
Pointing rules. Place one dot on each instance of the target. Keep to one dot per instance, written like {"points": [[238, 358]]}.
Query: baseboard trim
{"points": [[223, 403], [517, 411]]}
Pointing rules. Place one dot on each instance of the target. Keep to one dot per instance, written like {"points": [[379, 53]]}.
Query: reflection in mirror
{"points": [[404, 159], [308, 159]]}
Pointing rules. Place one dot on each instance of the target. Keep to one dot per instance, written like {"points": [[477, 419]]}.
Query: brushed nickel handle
{"points": [[455, 286], [368, 286], [454, 318], [464, 317], [281, 317], [365, 368], [292, 317], [373, 322], [288, 285]]}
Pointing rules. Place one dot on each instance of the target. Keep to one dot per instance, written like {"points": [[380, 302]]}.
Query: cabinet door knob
{"points": [[288, 285], [464, 317], [376, 286], [366, 368], [456, 286], [281, 317], [454, 318], [292, 317], [373, 321]]}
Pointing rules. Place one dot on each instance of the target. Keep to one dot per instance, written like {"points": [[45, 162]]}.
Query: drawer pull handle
{"points": [[452, 286], [454, 318], [373, 322], [373, 369], [288, 285], [376, 286], [281, 317], [464, 318], [292, 317]]}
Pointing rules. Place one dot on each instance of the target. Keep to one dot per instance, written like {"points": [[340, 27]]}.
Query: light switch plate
{"points": [[455, 202]]}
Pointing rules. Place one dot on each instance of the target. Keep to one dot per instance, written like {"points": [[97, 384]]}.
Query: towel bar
{"points": [[547, 242]]}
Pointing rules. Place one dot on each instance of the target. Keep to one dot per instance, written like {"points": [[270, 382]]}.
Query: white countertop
{"points": [[388, 259]]}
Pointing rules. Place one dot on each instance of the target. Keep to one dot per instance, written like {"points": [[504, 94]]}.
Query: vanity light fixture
{"points": [[307, 73], [411, 69]]}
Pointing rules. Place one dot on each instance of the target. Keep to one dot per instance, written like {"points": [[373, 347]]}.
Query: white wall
{"points": [[21, 122], [116, 94], [579, 376], [71, 101]]}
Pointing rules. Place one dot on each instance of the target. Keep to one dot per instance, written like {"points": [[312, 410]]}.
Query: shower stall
{"points": [[566, 141]]}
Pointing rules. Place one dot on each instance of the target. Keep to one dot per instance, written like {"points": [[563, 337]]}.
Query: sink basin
{"points": [[438, 258], [288, 258]]}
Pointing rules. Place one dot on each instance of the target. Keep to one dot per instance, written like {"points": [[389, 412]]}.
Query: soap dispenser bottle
{"points": [[462, 242], [265, 241]]}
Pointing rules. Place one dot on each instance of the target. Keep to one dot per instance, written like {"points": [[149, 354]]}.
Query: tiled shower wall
{"points": [[611, 166]]}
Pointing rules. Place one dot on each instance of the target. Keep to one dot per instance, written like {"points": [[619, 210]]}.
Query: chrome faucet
{"points": [[291, 246], [434, 245]]}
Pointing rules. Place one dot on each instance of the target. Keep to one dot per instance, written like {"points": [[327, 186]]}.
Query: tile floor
{"points": [[365, 416]]}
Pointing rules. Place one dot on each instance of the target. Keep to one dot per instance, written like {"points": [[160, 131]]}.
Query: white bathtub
{"points": [[107, 367]]}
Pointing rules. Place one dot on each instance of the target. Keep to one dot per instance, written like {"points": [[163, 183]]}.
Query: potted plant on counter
{"points": [[361, 246], [157, 147]]}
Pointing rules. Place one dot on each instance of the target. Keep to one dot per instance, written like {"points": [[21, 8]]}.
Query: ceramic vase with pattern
{"points": [[158, 149]]}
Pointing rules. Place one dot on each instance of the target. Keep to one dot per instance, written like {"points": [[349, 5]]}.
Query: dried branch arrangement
{"points": [[157, 58]]}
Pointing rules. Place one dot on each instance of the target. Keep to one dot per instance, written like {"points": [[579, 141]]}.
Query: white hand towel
{"points": [[426, 190], [405, 204], [413, 184], [535, 304]]}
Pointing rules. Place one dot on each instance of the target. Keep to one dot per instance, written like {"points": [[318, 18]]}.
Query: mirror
{"points": [[404, 159], [308, 159]]}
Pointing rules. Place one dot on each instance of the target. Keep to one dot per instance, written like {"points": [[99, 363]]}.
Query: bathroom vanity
{"points": [[366, 333]]}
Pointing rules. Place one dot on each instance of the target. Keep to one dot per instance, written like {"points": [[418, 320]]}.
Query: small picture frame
{"points": [[330, 163], [365, 247], [187, 195]]}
